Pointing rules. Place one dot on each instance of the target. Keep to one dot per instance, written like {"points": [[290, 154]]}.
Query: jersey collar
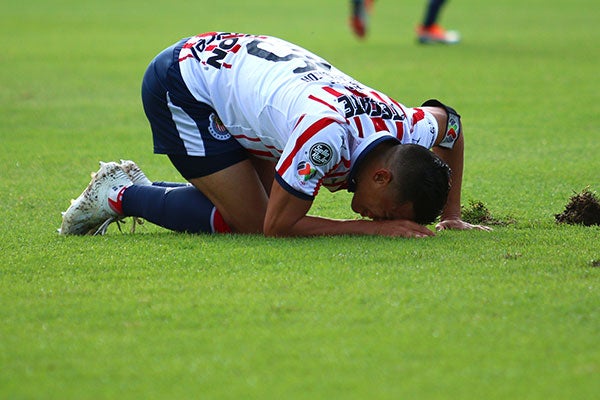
{"points": [[364, 148]]}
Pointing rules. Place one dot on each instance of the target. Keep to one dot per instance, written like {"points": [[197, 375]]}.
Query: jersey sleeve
{"points": [[315, 149], [422, 128]]}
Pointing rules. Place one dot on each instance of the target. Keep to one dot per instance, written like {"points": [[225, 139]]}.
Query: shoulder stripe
{"points": [[302, 139], [332, 91], [323, 102]]}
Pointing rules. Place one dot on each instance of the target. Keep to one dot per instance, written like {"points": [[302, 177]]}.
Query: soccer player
{"points": [[429, 31], [258, 126]]}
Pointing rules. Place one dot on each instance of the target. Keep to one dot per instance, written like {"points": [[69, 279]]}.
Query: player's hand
{"points": [[402, 228], [459, 224]]}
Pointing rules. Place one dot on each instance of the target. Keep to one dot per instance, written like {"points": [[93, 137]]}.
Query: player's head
{"points": [[413, 184], [422, 179]]}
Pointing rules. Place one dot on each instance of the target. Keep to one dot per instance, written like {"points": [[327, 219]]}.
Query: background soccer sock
{"points": [[431, 14], [181, 209]]}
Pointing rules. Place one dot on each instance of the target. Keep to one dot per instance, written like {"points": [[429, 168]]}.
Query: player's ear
{"points": [[382, 176]]}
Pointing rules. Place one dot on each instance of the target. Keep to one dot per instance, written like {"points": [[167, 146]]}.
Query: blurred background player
{"points": [[429, 31], [359, 18]]}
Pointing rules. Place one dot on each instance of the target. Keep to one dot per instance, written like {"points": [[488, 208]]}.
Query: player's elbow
{"points": [[273, 229]]}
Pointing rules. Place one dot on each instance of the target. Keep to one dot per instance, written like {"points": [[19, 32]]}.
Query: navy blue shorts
{"points": [[188, 131]]}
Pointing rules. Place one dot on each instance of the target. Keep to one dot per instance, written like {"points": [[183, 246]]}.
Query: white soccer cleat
{"points": [[135, 173], [99, 202]]}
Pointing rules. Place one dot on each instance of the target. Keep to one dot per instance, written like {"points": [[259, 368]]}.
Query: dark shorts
{"points": [[188, 131]]}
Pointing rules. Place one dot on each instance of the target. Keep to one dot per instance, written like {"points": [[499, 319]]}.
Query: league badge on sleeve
{"points": [[320, 153], [452, 131], [305, 171]]}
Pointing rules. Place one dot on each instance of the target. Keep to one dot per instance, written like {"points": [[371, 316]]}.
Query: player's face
{"points": [[380, 205]]}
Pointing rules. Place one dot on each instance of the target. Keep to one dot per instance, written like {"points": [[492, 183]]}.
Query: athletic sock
{"points": [[181, 209]]}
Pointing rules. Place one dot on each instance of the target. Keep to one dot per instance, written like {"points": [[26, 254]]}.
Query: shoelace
{"points": [[104, 227]]}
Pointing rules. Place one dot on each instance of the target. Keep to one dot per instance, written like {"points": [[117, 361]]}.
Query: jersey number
{"points": [[311, 65]]}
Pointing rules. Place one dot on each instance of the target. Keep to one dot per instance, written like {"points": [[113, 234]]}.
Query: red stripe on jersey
{"points": [[254, 139], [207, 34], [418, 115], [302, 139], [329, 173], [211, 47], [299, 120], [359, 126], [226, 65], [186, 57], [399, 130], [379, 124], [332, 91], [233, 35], [317, 187], [399, 106], [377, 96], [236, 48], [322, 102], [251, 139]]}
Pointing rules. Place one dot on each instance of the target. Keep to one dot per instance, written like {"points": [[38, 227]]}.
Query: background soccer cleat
{"points": [[99, 202], [436, 34]]}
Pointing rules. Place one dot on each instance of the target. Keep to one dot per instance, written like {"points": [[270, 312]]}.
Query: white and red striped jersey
{"points": [[284, 103]]}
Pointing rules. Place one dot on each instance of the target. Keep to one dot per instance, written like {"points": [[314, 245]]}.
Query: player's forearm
{"points": [[287, 216], [319, 226], [455, 159]]}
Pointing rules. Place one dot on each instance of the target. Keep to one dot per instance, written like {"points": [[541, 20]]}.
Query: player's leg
{"points": [[173, 205], [181, 209], [430, 31], [359, 16], [237, 190], [266, 172], [432, 12], [123, 190], [238, 194], [200, 147]]}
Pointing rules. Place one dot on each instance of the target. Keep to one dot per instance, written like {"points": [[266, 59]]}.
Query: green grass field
{"points": [[511, 314]]}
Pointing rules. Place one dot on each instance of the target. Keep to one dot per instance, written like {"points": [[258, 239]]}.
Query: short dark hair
{"points": [[420, 177]]}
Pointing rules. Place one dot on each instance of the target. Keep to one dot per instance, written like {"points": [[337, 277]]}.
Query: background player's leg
{"points": [[432, 12]]}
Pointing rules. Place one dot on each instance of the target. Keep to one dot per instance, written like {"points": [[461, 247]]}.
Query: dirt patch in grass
{"points": [[477, 213], [582, 209]]}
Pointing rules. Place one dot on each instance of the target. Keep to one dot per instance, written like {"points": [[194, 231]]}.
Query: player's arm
{"points": [[451, 150], [287, 216], [451, 216]]}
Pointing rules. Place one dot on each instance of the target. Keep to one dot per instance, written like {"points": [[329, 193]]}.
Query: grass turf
{"points": [[507, 314]]}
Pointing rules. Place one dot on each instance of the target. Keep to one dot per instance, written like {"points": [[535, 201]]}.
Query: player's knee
{"points": [[248, 227]]}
